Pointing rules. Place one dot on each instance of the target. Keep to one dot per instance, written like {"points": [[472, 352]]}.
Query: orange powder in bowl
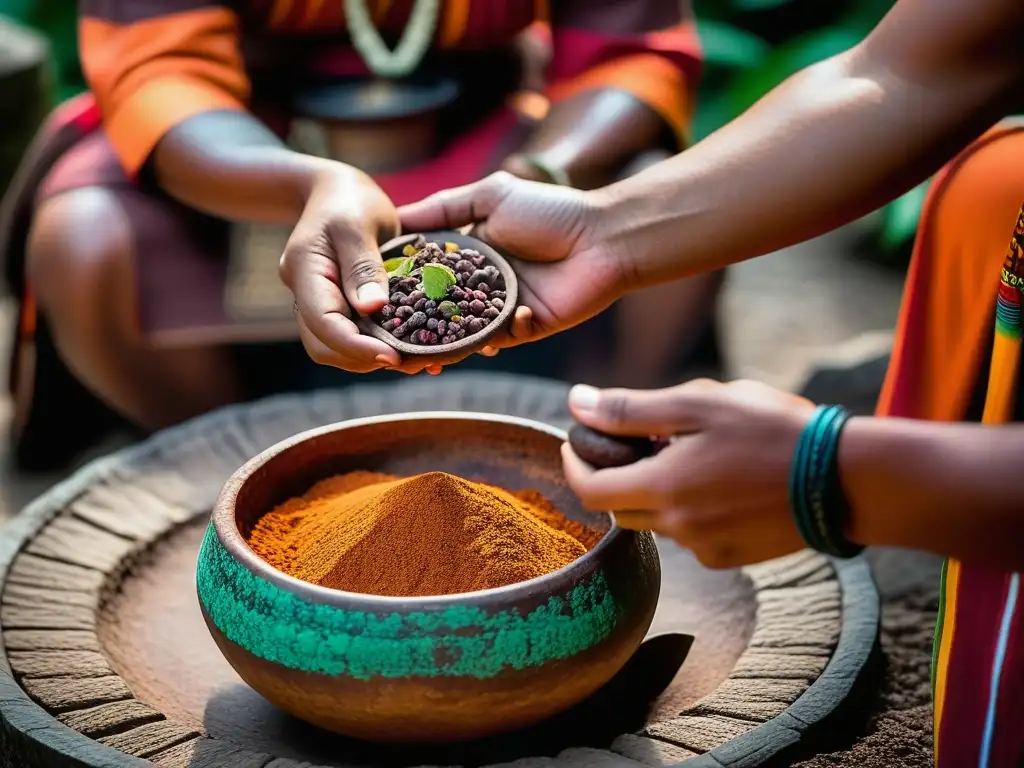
{"points": [[431, 534]]}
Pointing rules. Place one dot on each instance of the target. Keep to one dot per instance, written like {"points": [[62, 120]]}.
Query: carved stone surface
{"points": [[803, 627]]}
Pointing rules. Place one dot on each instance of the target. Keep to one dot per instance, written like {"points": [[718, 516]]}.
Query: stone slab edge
{"points": [[857, 638]]}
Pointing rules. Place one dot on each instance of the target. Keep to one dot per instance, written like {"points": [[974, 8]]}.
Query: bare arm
{"points": [[953, 489], [828, 145], [589, 137], [622, 75], [230, 165], [172, 87]]}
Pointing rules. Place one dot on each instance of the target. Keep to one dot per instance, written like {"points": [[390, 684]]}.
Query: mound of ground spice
{"points": [[431, 534]]}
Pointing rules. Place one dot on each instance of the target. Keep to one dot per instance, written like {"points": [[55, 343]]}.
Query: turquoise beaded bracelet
{"points": [[815, 493]]}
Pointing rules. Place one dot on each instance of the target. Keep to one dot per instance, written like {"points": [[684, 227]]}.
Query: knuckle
{"points": [[445, 195], [288, 262], [747, 385], [497, 187], [448, 200], [345, 220], [501, 179], [614, 407], [664, 488], [702, 385], [444, 198], [366, 269]]}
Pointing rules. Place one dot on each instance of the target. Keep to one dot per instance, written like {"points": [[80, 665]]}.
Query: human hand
{"points": [[569, 268], [332, 264], [720, 488]]}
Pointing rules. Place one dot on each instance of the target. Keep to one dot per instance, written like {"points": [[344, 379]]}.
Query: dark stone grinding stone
{"points": [[605, 451]]}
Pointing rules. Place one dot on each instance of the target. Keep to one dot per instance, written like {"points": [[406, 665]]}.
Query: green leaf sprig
{"points": [[400, 266], [437, 279]]}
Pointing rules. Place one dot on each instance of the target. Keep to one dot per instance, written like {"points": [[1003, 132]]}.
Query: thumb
{"points": [[363, 277], [641, 413], [457, 207]]}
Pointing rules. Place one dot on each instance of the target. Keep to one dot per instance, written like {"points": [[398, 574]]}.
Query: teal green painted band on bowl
{"points": [[458, 641]]}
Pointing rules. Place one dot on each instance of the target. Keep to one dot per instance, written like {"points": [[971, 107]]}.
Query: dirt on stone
{"points": [[898, 729]]}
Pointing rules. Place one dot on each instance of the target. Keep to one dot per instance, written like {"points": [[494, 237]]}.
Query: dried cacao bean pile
{"points": [[440, 293]]}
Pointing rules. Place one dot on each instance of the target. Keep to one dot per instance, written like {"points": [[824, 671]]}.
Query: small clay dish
{"points": [[470, 343], [423, 669]]}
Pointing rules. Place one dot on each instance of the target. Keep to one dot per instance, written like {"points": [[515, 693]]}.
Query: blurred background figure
{"points": [[133, 305], [773, 310]]}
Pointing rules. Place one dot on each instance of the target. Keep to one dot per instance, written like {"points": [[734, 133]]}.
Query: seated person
{"points": [[116, 234]]}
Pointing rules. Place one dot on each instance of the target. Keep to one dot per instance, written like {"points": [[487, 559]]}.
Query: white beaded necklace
{"points": [[411, 48]]}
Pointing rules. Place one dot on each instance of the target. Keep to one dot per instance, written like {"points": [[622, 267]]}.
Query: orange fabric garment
{"points": [[153, 65], [949, 300], [957, 358], [651, 78], [150, 75], [648, 48]]}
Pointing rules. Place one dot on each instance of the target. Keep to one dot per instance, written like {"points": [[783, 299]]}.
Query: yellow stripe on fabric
{"points": [[949, 600], [1000, 400], [1002, 382]]}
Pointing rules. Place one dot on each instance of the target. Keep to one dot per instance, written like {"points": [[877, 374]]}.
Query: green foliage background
{"points": [[55, 19], [751, 46]]}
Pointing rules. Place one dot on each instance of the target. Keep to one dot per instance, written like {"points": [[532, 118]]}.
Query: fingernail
{"points": [[583, 397], [368, 293], [382, 359]]}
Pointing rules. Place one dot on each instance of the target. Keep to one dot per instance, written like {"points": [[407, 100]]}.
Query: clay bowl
{"points": [[470, 343], [423, 669]]}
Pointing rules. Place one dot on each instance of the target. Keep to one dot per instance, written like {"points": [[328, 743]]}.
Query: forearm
{"points": [[590, 136], [953, 489], [826, 147], [230, 165]]}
